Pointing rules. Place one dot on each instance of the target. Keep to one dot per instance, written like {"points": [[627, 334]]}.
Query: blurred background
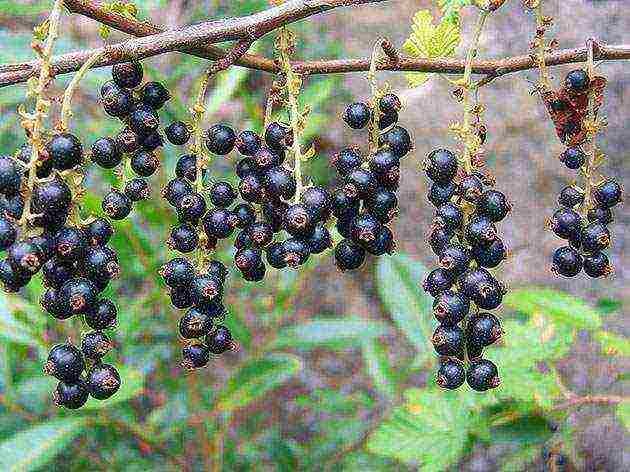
{"points": [[336, 372]]}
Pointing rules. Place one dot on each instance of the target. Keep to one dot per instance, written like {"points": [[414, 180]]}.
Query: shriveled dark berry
{"points": [[577, 81], [127, 74], [570, 197], [70, 395], [183, 239], [483, 329], [383, 205], [248, 143], [490, 256], [220, 223], [65, 150], [482, 375], [178, 272], [438, 281], [448, 340], [177, 133], [105, 153], [195, 324], [176, 189], [278, 135], [102, 380], [449, 216], [597, 265], [451, 374], [222, 194], [117, 102], [116, 205], [398, 140], [137, 189], [65, 362], [493, 205], [95, 345], [357, 115], [220, 139], [595, 237], [220, 340], [346, 160], [608, 194], [441, 166], [451, 307], [455, 258], [567, 262], [127, 140], [103, 315], [195, 356], [573, 158], [279, 182], [154, 94]]}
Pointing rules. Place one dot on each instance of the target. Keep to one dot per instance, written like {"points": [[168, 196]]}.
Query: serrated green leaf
{"points": [[562, 307], [330, 332], [623, 413], [399, 279], [37, 446], [379, 368], [430, 41], [131, 385], [613, 344], [256, 378]]}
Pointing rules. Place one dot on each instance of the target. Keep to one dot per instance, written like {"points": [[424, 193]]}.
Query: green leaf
{"points": [[450, 9], [430, 41], [132, 385], [562, 307], [255, 379], [431, 429], [379, 368], [330, 332], [35, 447], [399, 279], [14, 330], [613, 344], [623, 413]]}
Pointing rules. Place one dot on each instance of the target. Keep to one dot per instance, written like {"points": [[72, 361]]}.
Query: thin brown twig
{"points": [[590, 399]]}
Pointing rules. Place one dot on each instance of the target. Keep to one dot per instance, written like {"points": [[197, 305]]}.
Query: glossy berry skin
{"points": [[470, 188], [451, 374], [8, 233], [275, 255], [70, 243], [177, 133], [103, 380], [398, 140], [357, 115], [483, 329], [178, 272], [245, 214], [144, 163], [220, 340], [220, 223], [278, 135], [261, 233], [437, 281], [195, 356], [389, 103], [65, 150], [127, 74], [137, 189], [152, 141], [608, 194], [191, 208], [363, 228], [438, 239], [56, 272], [298, 221], [12, 280], [317, 201], [448, 340], [176, 189], [360, 183], [471, 280], [195, 324], [105, 153], [251, 189], [103, 315], [597, 265], [49, 301], [95, 345], [51, 198], [245, 167], [566, 223], [186, 167], [116, 205], [117, 102], [441, 166], [383, 205], [343, 205], [482, 375], [180, 298], [217, 269], [222, 194], [266, 158], [99, 232], [573, 158], [450, 307], [10, 176], [65, 363], [205, 289], [248, 259], [183, 239], [385, 120], [77, 295], [320, 240], [567, 262], [154, 94], [449, 216], [488, 295], [349, 255], [383, 162], [220, 139], [493, 205], [143, 120], [256, 275], [570, 197], [70, 395], [279, 183], [25, 257], [100, 262], [248, 143], [346, 160], [455, 258], [440, 194], [595, 237], [577, 81], [490, 256], [383, 242]]}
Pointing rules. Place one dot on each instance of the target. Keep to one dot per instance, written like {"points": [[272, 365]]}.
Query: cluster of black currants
{"points": [[365, 202], [584, 215], [136, 106], [466, 241]]}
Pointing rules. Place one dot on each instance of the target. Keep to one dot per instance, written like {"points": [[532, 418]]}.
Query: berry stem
{"points": [[66, 107], [34, 125], [539, 43], [589, 167], [376, 114], [197, 111]]}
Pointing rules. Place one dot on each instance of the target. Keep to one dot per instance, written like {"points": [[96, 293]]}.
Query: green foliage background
{"points": [[268, 407]]}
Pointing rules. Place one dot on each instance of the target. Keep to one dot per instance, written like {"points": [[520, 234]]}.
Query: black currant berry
{"points": [[577, 81], [70, 243], [65, 362], [248, 143], [595, 237], [470, 188], [566, 223], [280, 183], [450, 307], [278, 135], [398, 140], [70, 395], [597, 265], [100, 262], [246, 215], [455, 258], [608, 194], [451, 374], [137, 189], [275, 255], [252, 189], [438, 239], [153, 141], [573, 158], [357, 115], [470, 282], [25, 257], [127, 140], [195, 324], [191, 208], [437, 281], [298, 221], [8, 234], [176, 189], [180, 298], [178, 272], [220, 223], [51, 198], [56, 272], [346, 160], [183, 239], [65, 150], [266, 158], [317, 201], [177, 133], [383, 243], [205, 289], [441, 166], [360, 183], [98, 232], [449, 216], [344, 206], [448, 340], [320, 240], [220, 139], [383, 205], [105, 153], [490, 256], [77, 295], [493, 205], [385, 120], [248, 259], [102, 380], [95, 345], [483, 329], [117, 102], [570, 197], [296, 252], [389, 102], [127, 74], [440, 194], [154, 94], [566, 261], [363, 228], [195, 356], [103, 315], [13, 280], [488, 295], [116, 205], [220, 340], [143, 120], [482, 375], [50, 302], [222, 194], [144, 163], [10, 176]]}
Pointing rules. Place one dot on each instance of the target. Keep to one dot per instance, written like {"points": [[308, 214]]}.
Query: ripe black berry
{"points": [[278, 135], [451, 374], [100, 262], [573, 158], [317, 201], [385, 120], [248, 259], [195, 356], [127, 140], [437, 281], [95, 345], [455, 258], [363, 228], [275, 255], [205, 289], [56, 272], [450, 307], [183, 239], [389, 103], [177, 133], [103, 315], [383, 243], [10, 176], [449, 216], [357, 115], [360, 183], [137, 189], [191, 208], [222, 194], [195, 324], [105, 153], [490, 256], [99, 232], [245, 213], [127, 74], [25, 257], [220, 139], [595, 237], [470, 188], [220, 223], [438, 239], [398, 140], [103, 380], [320, 240], [152, 141], [220, 340], [117, 102], [483, 329], [178, 272], [116, 205], [298, 221], [345, 206], [440, 194], [470, 282], [566, 223], [176, 189], [8, 233], [180, 298], [346, 160], [493, 205], [566, 261], [252, 189], [143, 120], [77, 295], [577, 81], [448, 340], [51, 198], [608, 194], [51, 304], [70, 395], [441, 166], [12, 207], [570, 197], [482, 375], [217, 269], [279, 182], [248, 143], [154, 94], [296, 252], [144, 163], [65, 362], [597, 265], [383, 205], [65, 150]]}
